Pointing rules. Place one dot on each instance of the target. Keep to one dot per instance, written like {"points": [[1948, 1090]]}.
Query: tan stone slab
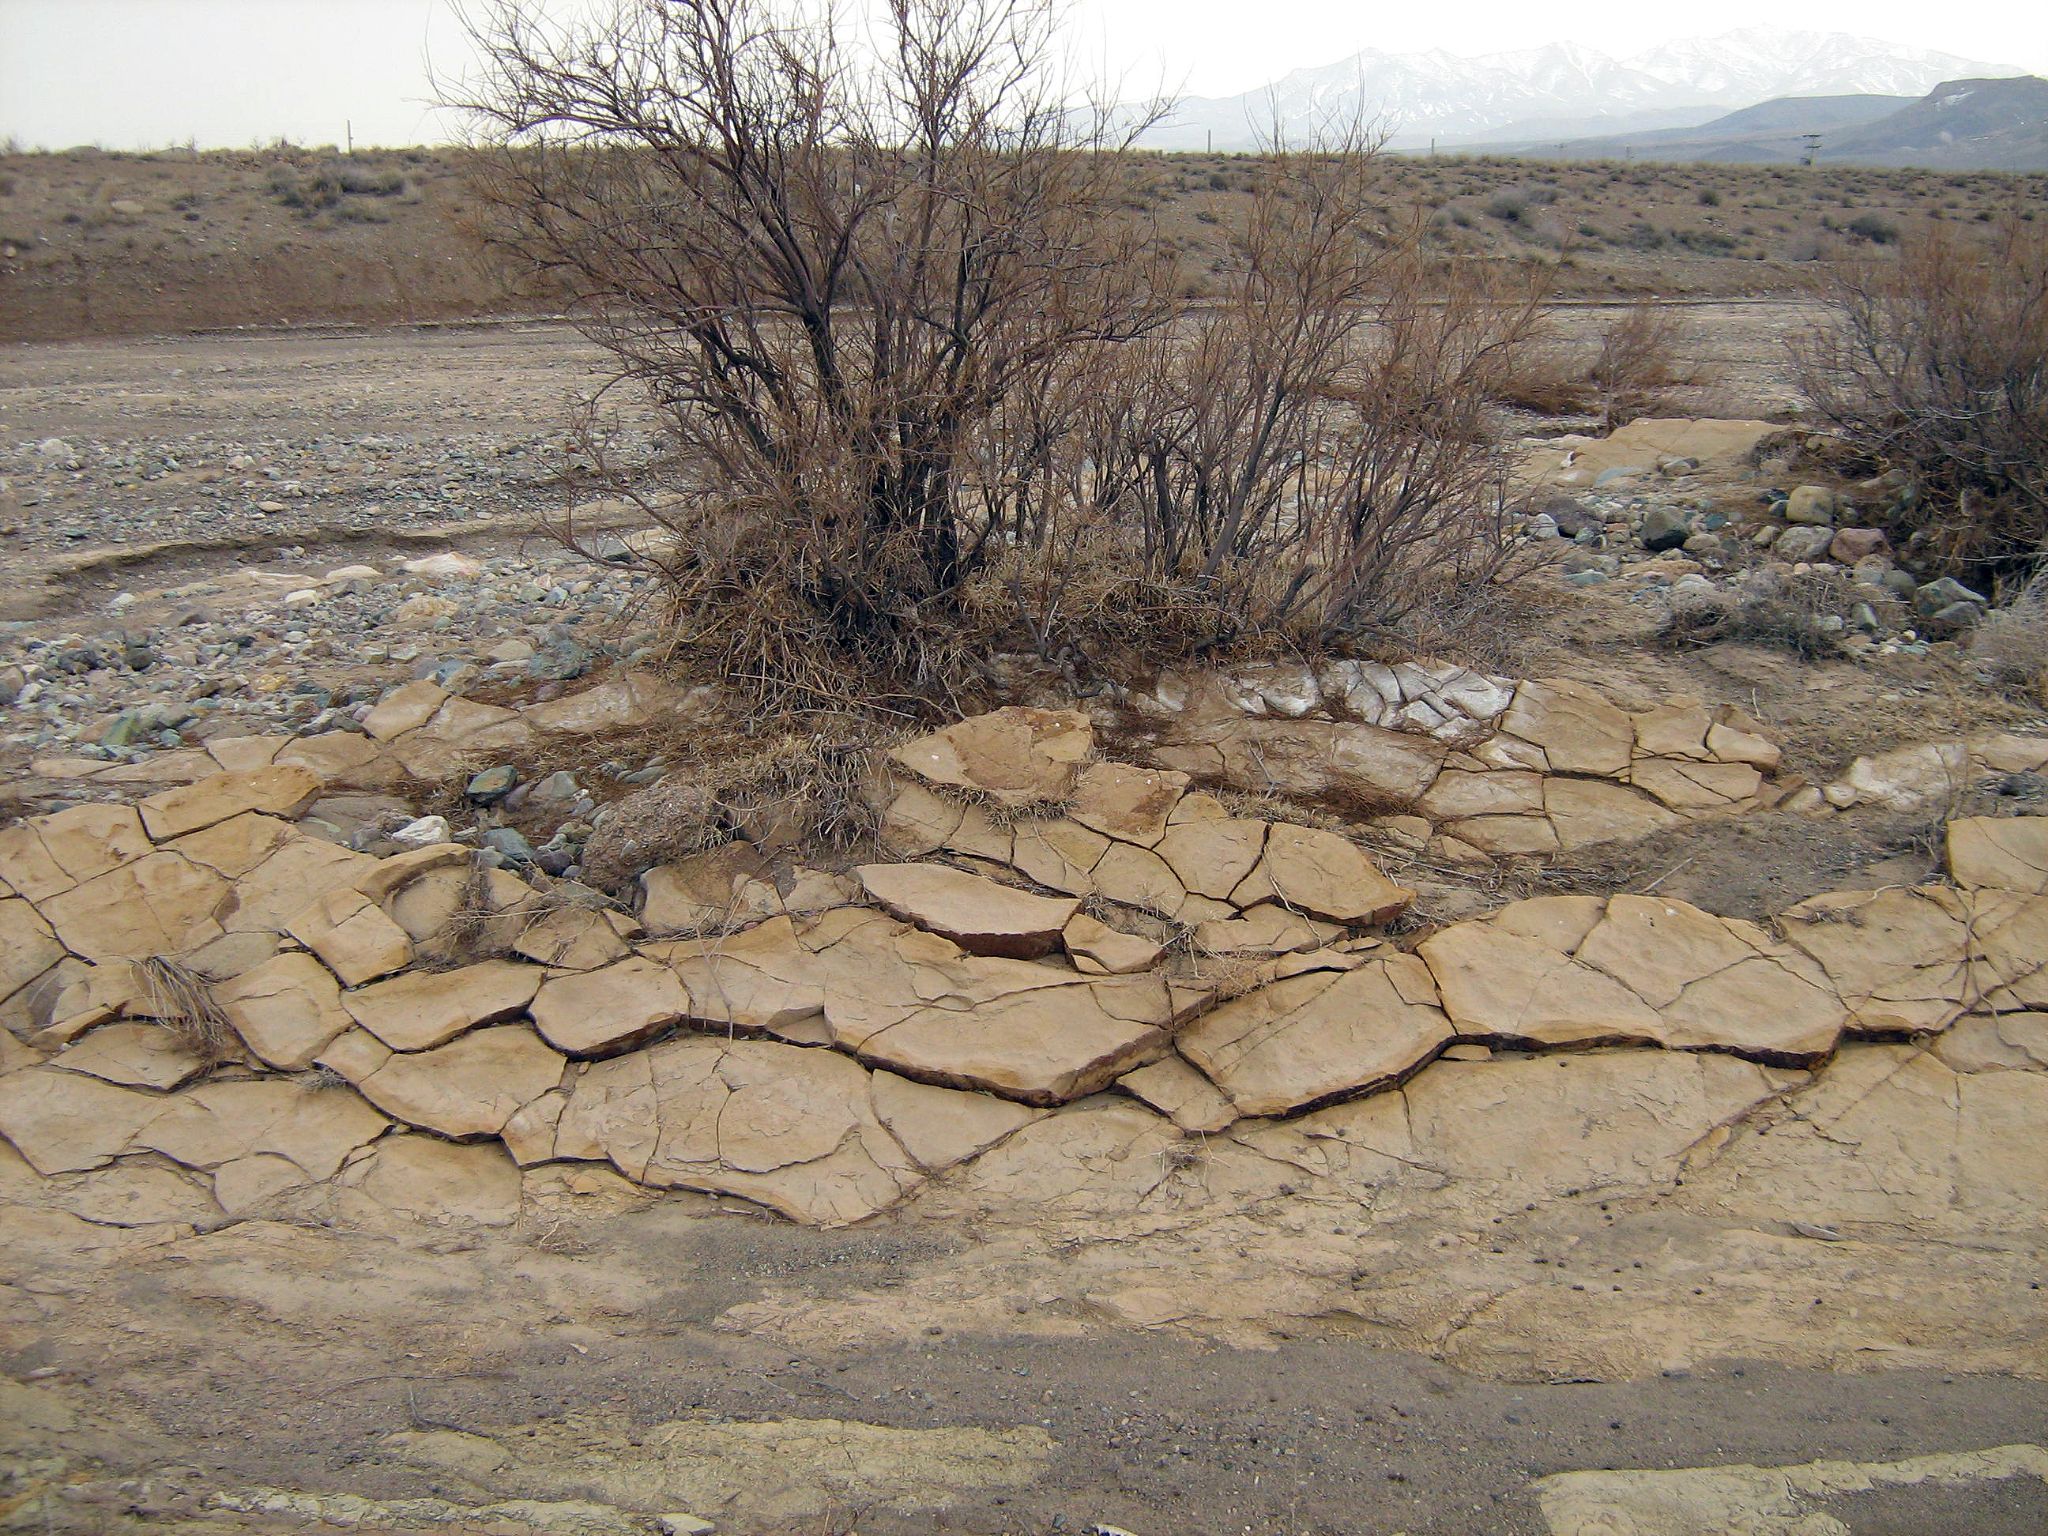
{"points": [[274, 791], [1138, 877], [1365, 764], [245, 754], [1505, 988], [163, 904], [1127, 803], [1459, 794], [234, 847], [286, 1009], [430, 1180], [1020, 756], [1212, 856], [700, 891], [1717, 983], [27, 946], [423, 1009], [1047, 1045], [764, 979], [1578, 728], [1588, 811], [405, 708], [595, 1012], [1505, 836], [66, 1121], [45, 855], [571, 939], [1322, 874], [1058, 854], [1100, 950], [917, 821], [353, 936], [790, 1128], [2008, 949], [132, 1054], [943, 1127], [1676, 728], [1898, 958], [1694, 786], [1268, 928], [277, 890], [624, 703], [341, 758], [1320, 1035], [1182, 1094], [980, 915], [469, 1087], [2009, 853]]}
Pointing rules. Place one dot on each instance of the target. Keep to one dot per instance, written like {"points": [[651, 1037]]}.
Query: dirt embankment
{"points": [[97, 244], [115, 245]]}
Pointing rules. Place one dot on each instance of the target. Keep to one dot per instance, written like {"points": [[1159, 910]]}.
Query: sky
{"points": [[129, 74]]}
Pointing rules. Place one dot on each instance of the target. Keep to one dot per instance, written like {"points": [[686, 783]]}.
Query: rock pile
{"points": [[1064, 949], [1464, 765]]}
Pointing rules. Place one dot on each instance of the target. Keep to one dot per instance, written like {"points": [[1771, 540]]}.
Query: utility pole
{"points": [[1812, 142], [348, 133]]}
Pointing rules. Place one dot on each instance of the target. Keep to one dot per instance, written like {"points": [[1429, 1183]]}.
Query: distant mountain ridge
{"points": [[1564, 90], [1975, 124]]}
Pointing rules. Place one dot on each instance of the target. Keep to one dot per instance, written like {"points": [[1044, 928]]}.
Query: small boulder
{"points": [[1665, 528], [1800, 545], [1811, 505]]}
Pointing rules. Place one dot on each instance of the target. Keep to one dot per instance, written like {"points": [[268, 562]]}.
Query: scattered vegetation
{"points": [[1936, 362], [935, 385]]}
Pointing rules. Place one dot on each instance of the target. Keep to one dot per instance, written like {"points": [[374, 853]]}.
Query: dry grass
{"points": [[178, 998], [1785, 613], [2009, 649], [214, 246]]}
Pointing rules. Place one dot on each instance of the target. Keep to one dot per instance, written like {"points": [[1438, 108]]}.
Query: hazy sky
{"points": [[141, 73]]}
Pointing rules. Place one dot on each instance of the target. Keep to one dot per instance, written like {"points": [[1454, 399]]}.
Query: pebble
{"points": [[425, 832]]}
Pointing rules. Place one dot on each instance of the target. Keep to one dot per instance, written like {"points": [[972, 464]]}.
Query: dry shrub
{"points": [[2010, 646], [1637, 367], [178, 998], [932, 381], [1642, 363], [813, 787], [1780, 611], [1936, 362]]}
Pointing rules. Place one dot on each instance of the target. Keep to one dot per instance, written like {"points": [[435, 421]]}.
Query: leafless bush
{"points": [[1640, 362], [934, 387], [834, 274], [1315, 455], [1801, 614], [1936, 362], [2010, 646]]}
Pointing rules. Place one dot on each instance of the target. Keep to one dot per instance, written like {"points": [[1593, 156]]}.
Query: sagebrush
{"points": [[935, 388]]}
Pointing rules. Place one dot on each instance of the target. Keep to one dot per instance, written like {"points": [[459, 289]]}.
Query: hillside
{"points": [[95, 244], [1978, 124], [1769, 132]]}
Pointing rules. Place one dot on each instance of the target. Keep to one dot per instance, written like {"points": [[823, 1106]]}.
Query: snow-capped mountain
{"points": [[1565, 88]]}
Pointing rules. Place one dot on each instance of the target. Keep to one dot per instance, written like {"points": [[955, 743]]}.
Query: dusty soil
{"points": [[145, 1377], [124, 244], [289, 1358]]}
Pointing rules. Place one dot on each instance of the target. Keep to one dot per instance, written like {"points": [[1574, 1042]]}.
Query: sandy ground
{"points": [[148, 1375]]}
